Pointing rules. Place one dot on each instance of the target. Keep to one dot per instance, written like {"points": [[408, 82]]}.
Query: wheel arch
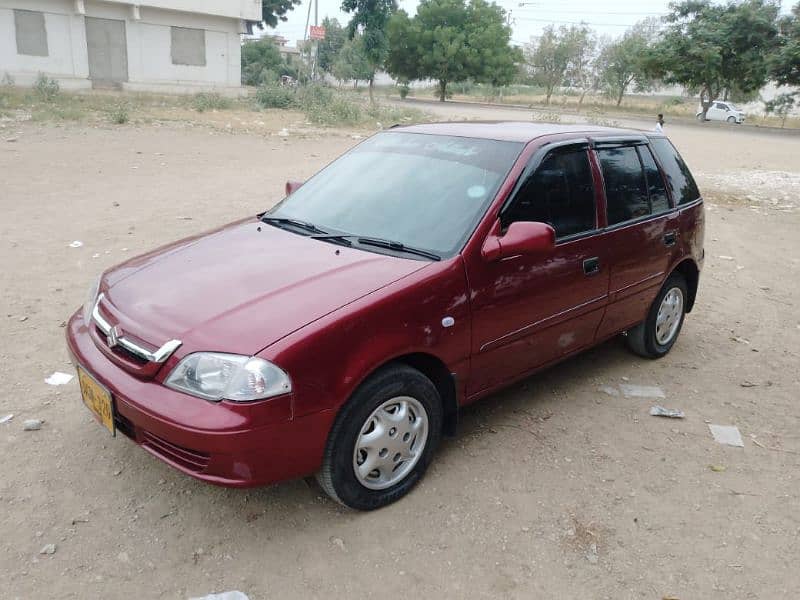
{"points": [[688, 268], [443, 380]]}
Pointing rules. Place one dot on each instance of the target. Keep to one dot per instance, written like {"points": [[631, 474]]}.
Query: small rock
{"points": [[591, 555], [717, 468], [23, 319], [339, 543], [33, 424], [11, 140], [76, 244], [48, 549]]}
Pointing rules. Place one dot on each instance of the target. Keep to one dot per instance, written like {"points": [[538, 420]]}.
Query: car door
{"points": [[641, 231], [717, 112], [529, 311]]}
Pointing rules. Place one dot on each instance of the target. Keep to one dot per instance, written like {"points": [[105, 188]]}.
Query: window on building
{"points": [[31, 33], [626, 188], [188, 47], [560, 193]]}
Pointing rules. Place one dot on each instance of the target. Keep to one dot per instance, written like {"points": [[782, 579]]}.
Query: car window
{"points": [[626, 189], [720, 105], [680, 180], [560, 193], [659, 201]]}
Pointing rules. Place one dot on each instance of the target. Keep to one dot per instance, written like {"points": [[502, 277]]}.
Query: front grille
{"points": [[193, 460], [121, 352]]}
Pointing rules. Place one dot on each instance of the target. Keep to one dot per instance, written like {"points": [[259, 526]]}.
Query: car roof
{"points": [[512, 131]]}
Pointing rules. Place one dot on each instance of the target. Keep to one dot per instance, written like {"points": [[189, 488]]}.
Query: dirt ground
{"points": [[551, 489]]}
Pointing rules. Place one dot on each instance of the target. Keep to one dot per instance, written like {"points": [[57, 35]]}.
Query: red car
{"points": [[340, 332]]}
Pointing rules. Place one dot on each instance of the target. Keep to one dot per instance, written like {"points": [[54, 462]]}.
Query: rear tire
{"points": [[700, 117], [394, 422], [655, 337]]}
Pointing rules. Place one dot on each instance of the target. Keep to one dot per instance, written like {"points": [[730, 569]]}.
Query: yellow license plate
{"points": [[97, 399]]}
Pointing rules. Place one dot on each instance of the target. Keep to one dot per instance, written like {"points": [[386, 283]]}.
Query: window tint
{"points": [[559, 193], [720, 105], [626, 190], [659, 202], [188, 46], [680, 180], [31, 33]]}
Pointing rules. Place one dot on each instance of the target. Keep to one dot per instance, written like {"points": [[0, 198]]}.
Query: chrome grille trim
{"points": [[159, 356]]}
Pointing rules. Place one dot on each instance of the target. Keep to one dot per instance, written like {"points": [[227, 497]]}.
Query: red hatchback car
{"points": [[340, 332]]}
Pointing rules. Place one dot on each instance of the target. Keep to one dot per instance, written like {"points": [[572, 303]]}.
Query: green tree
{"points": [[451, 41], [370, 19], [262, 62], [552, 54], [273, 11], [621, 63], [582, 72], [711, 48], [351, 64], [786, 61], [329, 48], [781, 105]]}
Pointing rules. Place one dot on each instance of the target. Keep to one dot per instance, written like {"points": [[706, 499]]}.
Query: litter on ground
{"points": [[33, 425], [6, 419], [672, 413], [608, 389], [641, 391], [234, 595], [727, 434], [58, 378], [76, 244]]}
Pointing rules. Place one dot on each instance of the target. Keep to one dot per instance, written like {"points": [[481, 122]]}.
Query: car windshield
{"points": [[422, 191]]}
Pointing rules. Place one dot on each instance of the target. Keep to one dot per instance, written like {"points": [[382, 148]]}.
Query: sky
{"points": [[528, 20]]}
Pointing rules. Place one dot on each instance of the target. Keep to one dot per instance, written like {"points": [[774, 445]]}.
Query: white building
{"points": [[141, 45]]}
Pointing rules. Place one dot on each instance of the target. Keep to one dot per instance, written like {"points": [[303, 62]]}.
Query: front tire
{"points": [[383, 439], [655, 337], [732, 120]]}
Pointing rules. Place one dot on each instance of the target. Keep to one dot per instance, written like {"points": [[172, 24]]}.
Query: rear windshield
{"points": [[681, 182]]}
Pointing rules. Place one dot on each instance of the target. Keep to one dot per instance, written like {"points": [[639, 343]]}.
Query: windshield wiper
{"points": [[397, 246], [344, 239], [297, 223]]}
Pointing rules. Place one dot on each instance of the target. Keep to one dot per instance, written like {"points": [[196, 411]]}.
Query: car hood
{"points": [[241, 288]]}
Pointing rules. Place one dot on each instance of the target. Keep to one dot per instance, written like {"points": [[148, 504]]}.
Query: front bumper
{"points": [[229, 444]]}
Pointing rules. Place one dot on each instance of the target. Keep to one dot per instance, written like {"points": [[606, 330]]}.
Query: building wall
{"points": [[148, 42]]}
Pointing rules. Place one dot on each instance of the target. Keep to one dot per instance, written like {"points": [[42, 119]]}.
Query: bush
{"points": [[275, 96], [210, 101], [46, 88], [119, 114], [8, 79], [404, 90]]}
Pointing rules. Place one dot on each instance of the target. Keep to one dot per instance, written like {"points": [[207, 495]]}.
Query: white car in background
{"points": [[722, 111]]}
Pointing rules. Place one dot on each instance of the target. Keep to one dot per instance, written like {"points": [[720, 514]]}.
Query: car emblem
{"points": [[112, 339]]}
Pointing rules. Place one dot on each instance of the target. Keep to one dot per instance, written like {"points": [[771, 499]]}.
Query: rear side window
{"points": [[680, 180], [659, 200], [560, 193], [626, 188]]}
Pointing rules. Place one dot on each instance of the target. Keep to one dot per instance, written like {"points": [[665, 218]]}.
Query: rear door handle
{"points": [[670, 238], [591, 266]]}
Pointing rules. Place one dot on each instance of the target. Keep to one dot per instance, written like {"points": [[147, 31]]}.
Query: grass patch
{"points": [[325, 106], [210, 101], [120, 114]]}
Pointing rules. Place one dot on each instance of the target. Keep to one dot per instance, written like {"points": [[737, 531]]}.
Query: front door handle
{"points": [[670, 238], [591, 266]]}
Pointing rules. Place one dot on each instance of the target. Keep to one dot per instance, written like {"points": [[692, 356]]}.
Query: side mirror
{"points": [[292, 187], [521, 238]]}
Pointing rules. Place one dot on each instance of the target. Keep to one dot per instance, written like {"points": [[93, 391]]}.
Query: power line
{"points": [[559, 22]]}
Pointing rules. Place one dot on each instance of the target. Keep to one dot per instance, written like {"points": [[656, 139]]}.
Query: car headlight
{"points": [[91, 298], [217, 376]]}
